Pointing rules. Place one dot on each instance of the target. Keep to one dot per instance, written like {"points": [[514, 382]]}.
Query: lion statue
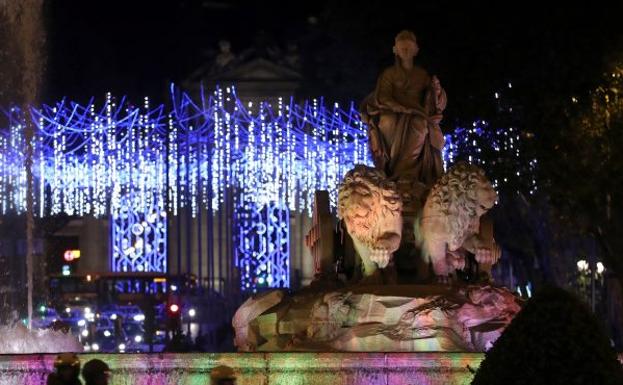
{"points": [[451, 225], [371, 209]]}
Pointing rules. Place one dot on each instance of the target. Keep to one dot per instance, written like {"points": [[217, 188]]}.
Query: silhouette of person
{"points": [[96, 372], [66, 370]]}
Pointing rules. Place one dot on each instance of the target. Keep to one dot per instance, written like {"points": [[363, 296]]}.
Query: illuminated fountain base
{"points": [[262, 368]]}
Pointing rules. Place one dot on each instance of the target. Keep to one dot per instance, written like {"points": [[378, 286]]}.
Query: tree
{"points": [[555, 339], [587, 143]]}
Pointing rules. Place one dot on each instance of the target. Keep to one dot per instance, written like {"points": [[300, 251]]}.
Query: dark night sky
{"points": [[137, 47]]}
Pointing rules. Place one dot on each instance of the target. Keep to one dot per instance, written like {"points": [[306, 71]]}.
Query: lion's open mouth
{"points": [[388, 240]]}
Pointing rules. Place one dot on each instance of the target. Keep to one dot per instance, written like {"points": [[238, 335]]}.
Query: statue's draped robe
{"points": [[407, 146]]}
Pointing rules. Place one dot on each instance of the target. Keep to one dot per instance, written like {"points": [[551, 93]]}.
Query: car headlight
{"points": [[121, 346], [95, 347]]}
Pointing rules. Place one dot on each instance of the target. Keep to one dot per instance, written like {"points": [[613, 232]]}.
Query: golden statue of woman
{"points": [[403, 115]]}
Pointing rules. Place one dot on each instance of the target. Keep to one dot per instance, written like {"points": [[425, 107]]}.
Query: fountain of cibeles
{"points": [[360, 321]]}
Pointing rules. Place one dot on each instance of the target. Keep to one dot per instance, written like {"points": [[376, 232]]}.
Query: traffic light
{"points": [[174, 312], [174, 309]]}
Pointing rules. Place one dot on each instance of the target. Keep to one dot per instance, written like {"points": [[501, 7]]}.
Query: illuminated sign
{"points": [[70, 255]]}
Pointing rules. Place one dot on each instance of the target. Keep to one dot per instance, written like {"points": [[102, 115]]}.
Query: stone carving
{"points": [[414, 318], [225, 56], [292, 58], [371, 209], [248, 336], [401, 216], [320, 238], [328, 316], [403, 115], [451, 221]]}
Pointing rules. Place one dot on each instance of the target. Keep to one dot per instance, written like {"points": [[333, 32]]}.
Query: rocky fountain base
{"points": [[366, 318]]}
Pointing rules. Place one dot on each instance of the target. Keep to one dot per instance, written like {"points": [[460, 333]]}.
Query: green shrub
{"points": [[555, 339]]}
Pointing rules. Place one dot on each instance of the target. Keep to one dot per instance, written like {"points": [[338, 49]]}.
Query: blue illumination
{"points": [[137, 164], [262, 244], [499, 151], [138, 238], [134, 163]]}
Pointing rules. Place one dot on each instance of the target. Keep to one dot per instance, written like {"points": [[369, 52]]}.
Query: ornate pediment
{"points": [[258, 69]]}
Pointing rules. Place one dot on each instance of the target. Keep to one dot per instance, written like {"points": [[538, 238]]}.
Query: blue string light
{"points": [[500, 150], [138, 163]]}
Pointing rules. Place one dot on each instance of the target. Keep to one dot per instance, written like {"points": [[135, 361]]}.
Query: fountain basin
{"points": [[284, 368]]}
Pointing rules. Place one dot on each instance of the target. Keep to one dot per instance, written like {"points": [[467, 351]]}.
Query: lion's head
{"points": [[371, 208], [462, 195]]}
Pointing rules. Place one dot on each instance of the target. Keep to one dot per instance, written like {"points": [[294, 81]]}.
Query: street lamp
{"points": [[191, 313], [589, 270], [582, 265], [600, 268]]}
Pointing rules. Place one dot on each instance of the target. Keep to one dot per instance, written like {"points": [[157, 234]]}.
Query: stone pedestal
{"points": [[407, 318]]}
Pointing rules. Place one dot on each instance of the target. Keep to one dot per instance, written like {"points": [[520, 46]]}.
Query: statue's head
{"points": [[371, 208], [224, 45], [405, 34], [463, 195], [405, 45]]}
